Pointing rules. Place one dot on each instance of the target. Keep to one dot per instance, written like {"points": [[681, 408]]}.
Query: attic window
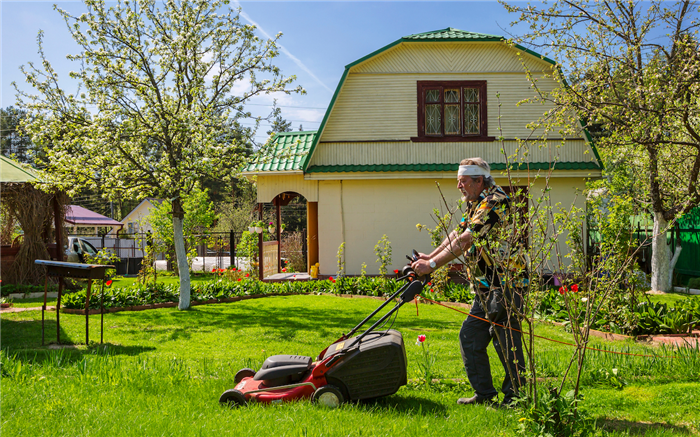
{"points": [[452, 111]]}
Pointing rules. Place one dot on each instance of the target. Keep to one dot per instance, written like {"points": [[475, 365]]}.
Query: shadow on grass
{"points": [[403, 405], [641, 428]]}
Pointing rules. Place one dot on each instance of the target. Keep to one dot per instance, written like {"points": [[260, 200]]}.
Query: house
{"points": [[136, 221], [400, 121]]}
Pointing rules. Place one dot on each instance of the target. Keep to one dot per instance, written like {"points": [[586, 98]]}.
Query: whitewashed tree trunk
{"points": [[182, 266], [660, 256]]}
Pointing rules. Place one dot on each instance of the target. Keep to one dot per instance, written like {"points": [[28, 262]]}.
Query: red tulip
{"points": [[396, 271], [421, 338], [239, 279], [574, 288], [108, 283], [213, 270], [247, 274], [562, 290]]}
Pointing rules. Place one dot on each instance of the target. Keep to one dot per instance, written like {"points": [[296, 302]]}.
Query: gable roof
{"points": [[442, 35], [286, 153], [152, 200]]}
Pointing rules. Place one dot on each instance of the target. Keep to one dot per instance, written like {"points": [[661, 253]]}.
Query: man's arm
{"points": [[452, 247]]}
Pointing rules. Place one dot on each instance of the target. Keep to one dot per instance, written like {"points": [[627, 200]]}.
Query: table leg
{"points": [[58, 310], [102, 313], [87, 312], [43, 308]]}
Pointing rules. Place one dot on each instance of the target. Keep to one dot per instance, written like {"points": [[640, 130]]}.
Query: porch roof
{"points": [[79, 216], [286, 153]]}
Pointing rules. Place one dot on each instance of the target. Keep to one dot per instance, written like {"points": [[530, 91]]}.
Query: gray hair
{"points": [[488, 181]]}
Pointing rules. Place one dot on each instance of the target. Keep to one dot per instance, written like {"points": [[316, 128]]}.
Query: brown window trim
{"points": [[483, 128]]}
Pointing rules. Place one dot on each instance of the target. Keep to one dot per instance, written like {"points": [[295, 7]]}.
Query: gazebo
{"points": [[37, 213]]}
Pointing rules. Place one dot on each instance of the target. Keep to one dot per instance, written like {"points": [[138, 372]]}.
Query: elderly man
{"points": [[486, 208]]}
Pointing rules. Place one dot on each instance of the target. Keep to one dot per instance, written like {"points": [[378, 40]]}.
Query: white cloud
{"points": [[283, 49]]}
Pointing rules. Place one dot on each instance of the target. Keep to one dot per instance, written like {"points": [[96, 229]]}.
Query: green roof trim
{"points": [[447, 34], [286, 153], [370, 168], [589, 138]]}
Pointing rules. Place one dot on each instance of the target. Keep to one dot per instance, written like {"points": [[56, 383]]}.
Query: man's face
{"points": [[470, 187]]}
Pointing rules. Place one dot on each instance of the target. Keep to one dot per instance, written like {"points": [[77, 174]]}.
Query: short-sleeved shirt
{"points": [[481, 217]]}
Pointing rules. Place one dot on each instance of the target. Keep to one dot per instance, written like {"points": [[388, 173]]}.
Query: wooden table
{"points": [[73, 270]]}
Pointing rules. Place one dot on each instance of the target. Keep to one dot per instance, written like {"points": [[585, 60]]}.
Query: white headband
{"points": [[472, 170]]}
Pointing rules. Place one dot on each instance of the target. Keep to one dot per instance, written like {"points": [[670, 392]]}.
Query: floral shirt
{"points": [[482, 218]]}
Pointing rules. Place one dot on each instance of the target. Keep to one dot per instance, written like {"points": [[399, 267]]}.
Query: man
{"points": [[486, 208]]}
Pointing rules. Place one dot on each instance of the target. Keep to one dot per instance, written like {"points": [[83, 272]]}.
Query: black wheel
{"points": [[328, 396], [243, 373], [232, 398]]}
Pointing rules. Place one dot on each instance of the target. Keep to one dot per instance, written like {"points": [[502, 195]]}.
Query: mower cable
{"points": [[545, 338]]}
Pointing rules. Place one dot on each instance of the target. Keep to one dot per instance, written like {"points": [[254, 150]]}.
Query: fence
{"points": [[686, 230], [213, 250]]}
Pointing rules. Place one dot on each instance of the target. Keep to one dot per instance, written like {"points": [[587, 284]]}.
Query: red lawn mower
{"points": [[370, 365]]}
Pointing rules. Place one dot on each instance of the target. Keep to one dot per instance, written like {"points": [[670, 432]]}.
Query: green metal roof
{"points": [[448, 34], [286, 153], [448, 167], [452, 34]]}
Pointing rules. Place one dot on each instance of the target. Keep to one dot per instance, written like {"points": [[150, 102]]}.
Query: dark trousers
{"points": [[476, 335]]}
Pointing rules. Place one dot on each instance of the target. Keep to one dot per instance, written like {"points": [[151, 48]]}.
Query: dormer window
{"points": [[452, 111]]}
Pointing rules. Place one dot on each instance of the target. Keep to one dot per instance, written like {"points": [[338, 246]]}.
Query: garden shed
{"points": [[399, 123]]}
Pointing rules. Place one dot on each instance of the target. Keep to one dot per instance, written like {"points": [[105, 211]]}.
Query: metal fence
{"points": [[213, 250]]}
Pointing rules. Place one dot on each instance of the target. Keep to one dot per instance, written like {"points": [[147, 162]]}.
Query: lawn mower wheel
{"points": [[243, 373], [233, 398], [328, 396]]}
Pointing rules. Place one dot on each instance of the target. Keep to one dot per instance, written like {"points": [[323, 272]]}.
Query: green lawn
{"points": [[162, 371], [671, 298]]}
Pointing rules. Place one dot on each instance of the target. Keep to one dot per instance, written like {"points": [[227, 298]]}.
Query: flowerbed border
{"points": [[153, 306]]}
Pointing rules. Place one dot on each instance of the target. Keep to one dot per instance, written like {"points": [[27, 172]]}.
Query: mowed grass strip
{"points": [[162, 371]]}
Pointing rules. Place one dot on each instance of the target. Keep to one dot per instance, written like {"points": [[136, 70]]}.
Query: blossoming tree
{"points": [[156, 101]]}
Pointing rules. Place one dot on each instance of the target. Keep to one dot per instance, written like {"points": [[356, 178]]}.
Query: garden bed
{"points": [[153, 306]]}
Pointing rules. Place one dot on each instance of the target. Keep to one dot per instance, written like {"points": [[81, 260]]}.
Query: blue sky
{"points": [[319, 39]]}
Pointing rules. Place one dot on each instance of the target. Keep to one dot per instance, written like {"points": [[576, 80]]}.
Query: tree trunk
{"points": [[660, 256], [181, 255]]}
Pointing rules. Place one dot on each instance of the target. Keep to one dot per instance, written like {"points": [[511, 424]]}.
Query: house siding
{"points": [[373, 107], [359, 212], [271, 185], [406, 152]]}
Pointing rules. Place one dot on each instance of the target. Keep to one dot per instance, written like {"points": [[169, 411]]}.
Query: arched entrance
{"points": [[289, 208]]}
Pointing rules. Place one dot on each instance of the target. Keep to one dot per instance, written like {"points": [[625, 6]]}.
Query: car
{"points": [[78, 248]]}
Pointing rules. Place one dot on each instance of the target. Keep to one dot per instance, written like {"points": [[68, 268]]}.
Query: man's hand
{"points": [[422, 267], [423, 256]]}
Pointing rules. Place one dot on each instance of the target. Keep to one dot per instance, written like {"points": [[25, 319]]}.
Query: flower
{"points": [[430, 283], [213, 270], [562, 290], [284, 270], [396, 271], [584, 299], [108, 283], [239, 279], [574, 288], [421, 338], [247, 274]]}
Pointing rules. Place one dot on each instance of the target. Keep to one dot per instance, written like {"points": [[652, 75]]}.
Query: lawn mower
{"points": [[367, 366]]}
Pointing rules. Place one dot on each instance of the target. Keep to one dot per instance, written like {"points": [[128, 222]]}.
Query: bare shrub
{"points": [[292, 245]]}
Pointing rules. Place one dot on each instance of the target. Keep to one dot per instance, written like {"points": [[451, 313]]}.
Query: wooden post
{"points": [[58, 310], [279, 234], [43, 308], [260, 244], [87, 312]]}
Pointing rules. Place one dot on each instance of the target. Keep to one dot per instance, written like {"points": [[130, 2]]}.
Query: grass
{"points": [[671, 298], [162, 371]]}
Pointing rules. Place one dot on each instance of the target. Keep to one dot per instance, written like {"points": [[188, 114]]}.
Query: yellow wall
{"points": [[372, 208], [270, 186]]}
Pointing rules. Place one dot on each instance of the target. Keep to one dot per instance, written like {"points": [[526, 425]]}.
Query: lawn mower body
{"points": [[366, 366]]}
